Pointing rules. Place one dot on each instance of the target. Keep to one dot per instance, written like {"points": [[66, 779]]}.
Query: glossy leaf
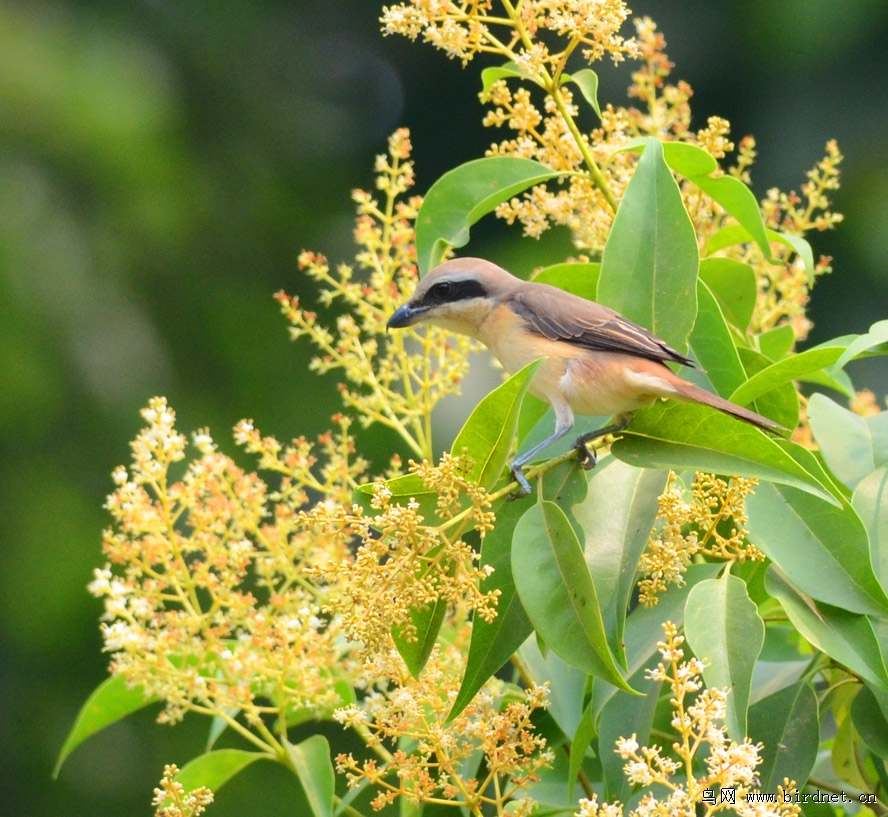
{"points": [[558, 593], [311, 759], [488, 433], [846, 637], [852, 446], [616, 518], [723, 628], [111, 701], [464, 195], [587, 81], [823, 549], [493, 643], [785, 371], [215, 769], [650, 261], [870, 500], [713, 345], [787, 723], [733, 284], [682, 436]]}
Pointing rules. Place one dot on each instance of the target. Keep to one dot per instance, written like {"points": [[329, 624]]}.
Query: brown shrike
{"points": [[596, 361]]}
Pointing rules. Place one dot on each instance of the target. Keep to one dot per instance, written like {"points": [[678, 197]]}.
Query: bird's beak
{"points": [[405, 315]]}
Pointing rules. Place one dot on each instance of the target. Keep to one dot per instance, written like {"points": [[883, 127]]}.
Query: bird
{"points": [[596, 363]]}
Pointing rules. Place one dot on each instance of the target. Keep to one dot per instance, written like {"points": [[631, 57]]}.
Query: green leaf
{"points": [[787, 723], [111, 701], [566, 684], [823, 549], [870, 500], [785, 371], [800, 246], [508, 70], [558, 593], [781, 404], [853, 446], [311, 760], [870, 722], [739, 201], [494, 642], [463, 195], [578, 279], [733, 284], [713, 345], [846, 637], [727, 237], [777, 343], [405, 488], [587, 81], [650, 262], [579, 745], [488, 433], [215, 769], [723, 627], [427, 621], [616, 518], [877, 336], [688, 160], [682, 436]]}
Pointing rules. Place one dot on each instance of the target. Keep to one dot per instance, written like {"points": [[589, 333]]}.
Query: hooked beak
{"points": [[405, 315]]}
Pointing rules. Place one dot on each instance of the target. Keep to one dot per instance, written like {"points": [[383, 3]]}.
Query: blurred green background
{"points": [[162, 164]]}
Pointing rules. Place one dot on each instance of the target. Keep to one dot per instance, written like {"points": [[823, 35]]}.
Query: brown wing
{"points": [[559, 315]]}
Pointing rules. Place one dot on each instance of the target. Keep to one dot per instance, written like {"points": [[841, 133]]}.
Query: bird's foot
{"points": [[523, 485], [585, 455]]}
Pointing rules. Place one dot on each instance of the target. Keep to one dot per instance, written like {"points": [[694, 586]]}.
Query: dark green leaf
{"points": [[558, 593], [464, 195], [427, 621], [579, 745], [587, 81], [215, 769], [733, 283], [682, 437], [650, 262], [110, 701], [566, 684], [616, 517], [787, 723], [823, 549], [713, 346], [488, 433], [723, 627], [846, 637], [870, 722], [311, 760]]}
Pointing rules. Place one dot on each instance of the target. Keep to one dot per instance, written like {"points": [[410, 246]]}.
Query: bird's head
{"points": [[458, 295]]}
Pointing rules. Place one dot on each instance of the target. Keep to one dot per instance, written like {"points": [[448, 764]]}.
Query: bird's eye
{"points": [[441, 290]]}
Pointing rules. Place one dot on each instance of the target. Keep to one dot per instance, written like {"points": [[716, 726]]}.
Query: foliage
{"points": [[392, 605]]}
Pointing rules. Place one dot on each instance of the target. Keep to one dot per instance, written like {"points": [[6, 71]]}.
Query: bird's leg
{"points": [[586, 455], [563, 423]]}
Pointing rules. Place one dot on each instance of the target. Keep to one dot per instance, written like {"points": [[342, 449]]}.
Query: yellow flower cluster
{"points": [[402, 561], [391, 379], [698, 716], [708, 521], [172, 800], [481, 759]]}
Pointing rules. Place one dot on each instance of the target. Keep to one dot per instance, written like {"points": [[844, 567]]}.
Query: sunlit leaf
{"points": [[724, 629], [508, 70], [650, 262], [587, 81], [462, 196], [777, 343], [877, 336], [578, 279], [111, 701], [713, 345], [215, 769], [733, 284], [558, 593], [311, 759]]}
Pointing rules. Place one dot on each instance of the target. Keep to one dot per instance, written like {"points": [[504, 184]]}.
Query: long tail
{"points": [[694, 394]]}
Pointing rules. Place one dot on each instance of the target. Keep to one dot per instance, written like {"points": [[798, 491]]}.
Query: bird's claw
{"points": [[586, 456], [523, 485]]}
